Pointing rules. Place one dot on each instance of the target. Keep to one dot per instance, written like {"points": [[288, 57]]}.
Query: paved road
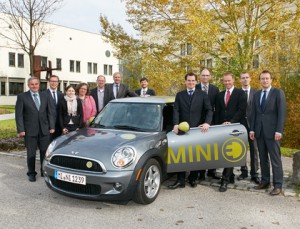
{"points": [[33, 205]]}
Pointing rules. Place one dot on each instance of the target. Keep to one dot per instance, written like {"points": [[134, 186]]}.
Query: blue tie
{"points": [[36, 101], [263, 100]]}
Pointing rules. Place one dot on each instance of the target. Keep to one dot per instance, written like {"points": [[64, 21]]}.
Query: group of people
{"points": [[42, 116], [262, 112]]}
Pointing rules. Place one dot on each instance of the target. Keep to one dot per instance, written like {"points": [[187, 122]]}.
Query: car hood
{"points": [[100, 144]]}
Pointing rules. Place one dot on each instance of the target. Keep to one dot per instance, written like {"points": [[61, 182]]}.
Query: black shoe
{"points": [[177, 184], [262, 186], [242, 176], [223, 187], [256, 180], [193, 184], [201, 177], [31, 178], [214, 176], [42, 173]]}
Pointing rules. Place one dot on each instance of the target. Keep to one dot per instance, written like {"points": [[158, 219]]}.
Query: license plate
{"points": [[68, 177]]}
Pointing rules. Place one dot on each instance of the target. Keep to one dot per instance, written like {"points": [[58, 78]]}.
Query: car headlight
{"points": [[123, 156], [50, 150]]}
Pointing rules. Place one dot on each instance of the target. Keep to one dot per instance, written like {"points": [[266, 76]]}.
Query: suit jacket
{"points": [[192, 110], [272, 118], [213, 92], [148, 92], [123, 92], [249, 105], [235, 111], [31, 120], [64, 117], [106, 98], [54, 105]]}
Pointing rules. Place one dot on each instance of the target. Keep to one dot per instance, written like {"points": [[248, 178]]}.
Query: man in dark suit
{"points": [[267, 123], [118, 90], [54, 96], [190, 105], [35, 123], [230, 108], [249, 91], [100, 93], [144, 91], [212, 92]]}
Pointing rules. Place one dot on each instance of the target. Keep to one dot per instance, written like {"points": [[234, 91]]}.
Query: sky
{"points": [[84, 14]]}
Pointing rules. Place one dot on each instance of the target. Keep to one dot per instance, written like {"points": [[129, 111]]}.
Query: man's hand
{"points": [[175, 129], [21, 134], [278, 136], [204, 127], [226, 123], [51, 131], [251, 135]]}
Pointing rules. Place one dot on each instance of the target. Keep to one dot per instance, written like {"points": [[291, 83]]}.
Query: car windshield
{"points": [[130, 116]]}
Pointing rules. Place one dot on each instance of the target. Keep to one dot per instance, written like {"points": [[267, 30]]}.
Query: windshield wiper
{"points": [[98, 125], [126, 127]]}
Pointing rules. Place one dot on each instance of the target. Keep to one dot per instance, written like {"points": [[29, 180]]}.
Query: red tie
{"points": [[227, 98]]}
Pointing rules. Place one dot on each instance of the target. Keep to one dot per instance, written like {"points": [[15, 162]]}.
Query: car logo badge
{"points": [[89, 164]]}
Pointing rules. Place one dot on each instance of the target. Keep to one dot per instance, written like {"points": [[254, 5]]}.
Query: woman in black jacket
{"points": [[71, 112]]}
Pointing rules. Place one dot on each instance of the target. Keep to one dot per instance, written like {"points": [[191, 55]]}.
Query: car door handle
{"points": [[237, 133]]}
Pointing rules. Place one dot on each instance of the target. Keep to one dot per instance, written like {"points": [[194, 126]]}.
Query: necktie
{"points": [[205, 88], [36, 101], [246, 93], [117, 90], [54, 96], [227, 98], [263, 100], [190, 94]]}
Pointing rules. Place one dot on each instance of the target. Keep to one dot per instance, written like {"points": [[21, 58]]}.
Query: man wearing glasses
{"points": [[212, 92]]}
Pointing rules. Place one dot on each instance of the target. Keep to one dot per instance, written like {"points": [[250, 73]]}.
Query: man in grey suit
{"points": [[249, 91], [35, 123], [100, 93], [267, 123], [118, 90]]}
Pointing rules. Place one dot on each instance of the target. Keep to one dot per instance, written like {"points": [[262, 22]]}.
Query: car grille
{"points": [[76, 163], [88, 189]]}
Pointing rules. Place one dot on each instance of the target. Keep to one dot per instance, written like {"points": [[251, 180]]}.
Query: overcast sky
{"points": [[84, 14]]}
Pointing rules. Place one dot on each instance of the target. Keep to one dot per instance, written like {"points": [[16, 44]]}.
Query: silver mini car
{"points": [[129, 148]]}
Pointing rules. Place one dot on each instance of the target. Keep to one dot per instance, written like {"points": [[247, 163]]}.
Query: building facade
{"points": [[79, 56]]}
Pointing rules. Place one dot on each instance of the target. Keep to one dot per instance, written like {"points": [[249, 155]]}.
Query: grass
{"points": [[8, 136], [7, 109], [287, 152]]}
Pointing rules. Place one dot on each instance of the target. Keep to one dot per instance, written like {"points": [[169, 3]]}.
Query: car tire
{"points": [[149, 183]]}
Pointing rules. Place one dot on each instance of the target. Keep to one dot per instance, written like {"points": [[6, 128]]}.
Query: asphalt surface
{"points": [[33, 205]]}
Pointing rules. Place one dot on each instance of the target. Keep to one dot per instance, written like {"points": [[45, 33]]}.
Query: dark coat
{"points": [[65, 118], [123, 92], [106, 98], [148, 92]]}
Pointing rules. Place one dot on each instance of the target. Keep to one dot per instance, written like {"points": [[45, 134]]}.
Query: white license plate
{"points": [[68, 177]]}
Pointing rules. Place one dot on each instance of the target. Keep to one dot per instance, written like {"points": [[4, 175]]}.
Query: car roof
{"points": [[149, 99]]}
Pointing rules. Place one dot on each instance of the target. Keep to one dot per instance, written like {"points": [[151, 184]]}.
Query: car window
{"points": [[138, 116]]}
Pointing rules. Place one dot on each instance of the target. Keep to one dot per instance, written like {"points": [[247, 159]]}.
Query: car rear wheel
{"points": [[149, 183]]}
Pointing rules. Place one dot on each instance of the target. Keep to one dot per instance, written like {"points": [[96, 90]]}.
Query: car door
{"points": [[221, 147]]}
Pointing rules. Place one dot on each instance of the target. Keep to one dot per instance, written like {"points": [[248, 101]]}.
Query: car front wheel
{"points": [[149, 183]]}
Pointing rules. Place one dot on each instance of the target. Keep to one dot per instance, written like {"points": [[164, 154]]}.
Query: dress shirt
{"points": [[230, 90]]}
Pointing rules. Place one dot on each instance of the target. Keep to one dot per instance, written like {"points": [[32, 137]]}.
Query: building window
{"points": [[189, 48], [182, 50], [202, 63], [58, 64], [105, 69], [95, 68], [3, 88], [15, 88], [11, 59], [20, 60], [209, 63], [77, 66], [44, 62], [110, 70], [224, 60], [89, 67], [43, 86], [71, 65], [255, 61]]}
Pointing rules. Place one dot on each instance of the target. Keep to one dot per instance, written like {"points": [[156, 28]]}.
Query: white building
{"points": [[82, 56]]}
